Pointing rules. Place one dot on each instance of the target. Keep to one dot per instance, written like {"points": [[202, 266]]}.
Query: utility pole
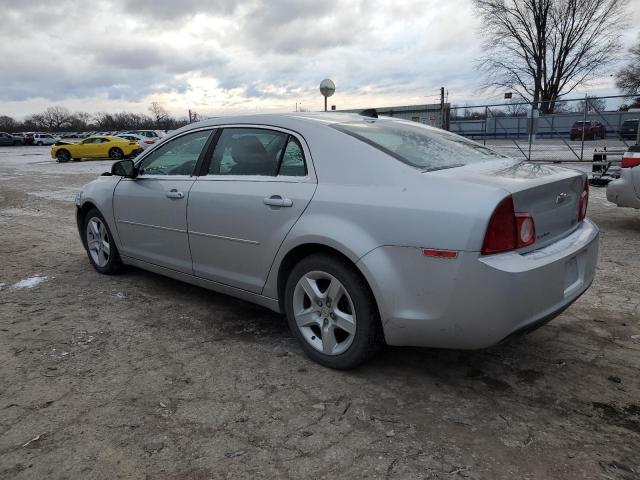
{"points": [[442, 108], [189, 115]]}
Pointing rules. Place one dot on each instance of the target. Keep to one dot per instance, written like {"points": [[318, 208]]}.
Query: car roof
{"points": [[110, 137], [266, 118], [303, 123], [294, 121]]}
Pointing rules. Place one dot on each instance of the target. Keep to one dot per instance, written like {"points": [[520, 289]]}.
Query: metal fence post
{"points": [[486, 117], [584, 121], [530, 131]]}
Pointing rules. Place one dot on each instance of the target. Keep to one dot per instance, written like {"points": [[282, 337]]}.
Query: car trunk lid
{"points": [[550, 194]]}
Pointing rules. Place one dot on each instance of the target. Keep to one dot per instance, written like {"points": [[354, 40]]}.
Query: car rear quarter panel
{"points": [[366, 199]]}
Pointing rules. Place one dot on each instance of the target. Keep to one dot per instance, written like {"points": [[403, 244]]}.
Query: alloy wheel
{"points": [[98, 242], [116, 154], [324, 312]]}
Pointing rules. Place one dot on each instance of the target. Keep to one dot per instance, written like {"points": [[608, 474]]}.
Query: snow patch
{"points": [[66, 195], [30, 282], [20, 212]]}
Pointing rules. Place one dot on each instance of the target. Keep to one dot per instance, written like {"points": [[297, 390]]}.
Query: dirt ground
{"points": [[139, 376]]}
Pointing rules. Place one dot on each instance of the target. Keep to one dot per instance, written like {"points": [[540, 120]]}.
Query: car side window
{"points": [[247, 151], [293, 164], [177, 157]]}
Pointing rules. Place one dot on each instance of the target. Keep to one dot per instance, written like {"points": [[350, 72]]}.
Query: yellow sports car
{"points": [[98, 146]]}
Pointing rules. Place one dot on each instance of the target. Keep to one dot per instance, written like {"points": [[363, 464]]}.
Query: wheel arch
{"points": [[301, 251], [81, 216]]}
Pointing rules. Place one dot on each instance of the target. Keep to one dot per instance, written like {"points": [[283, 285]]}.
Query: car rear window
{"points": [[420, 146]]}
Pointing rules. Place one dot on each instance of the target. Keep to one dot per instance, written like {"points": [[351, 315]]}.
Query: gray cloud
{"points": [[172, 11], [241, 50]]}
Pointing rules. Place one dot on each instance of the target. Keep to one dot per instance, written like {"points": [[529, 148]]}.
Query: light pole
{"points": [[327, 88]]}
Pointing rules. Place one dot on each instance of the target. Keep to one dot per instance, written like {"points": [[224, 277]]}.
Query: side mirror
{"points": [[124, 168]]}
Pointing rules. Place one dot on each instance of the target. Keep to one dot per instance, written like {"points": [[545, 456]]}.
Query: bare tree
{"points": [[634, 104], [628, 78], [594, 104], [515, 108], [543, 49], [7, 124], [561, 106], [159, 114], [53, 118]]}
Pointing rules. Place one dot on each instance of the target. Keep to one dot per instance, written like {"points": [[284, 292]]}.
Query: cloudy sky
{"points": [[232, 55]]}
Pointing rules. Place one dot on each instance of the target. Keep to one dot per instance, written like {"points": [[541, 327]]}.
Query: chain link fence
{"points": [[574, 131]]}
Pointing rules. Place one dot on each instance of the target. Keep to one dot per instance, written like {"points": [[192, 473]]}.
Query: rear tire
{"points": [[98, 241], [331, 311], [116, 154]]}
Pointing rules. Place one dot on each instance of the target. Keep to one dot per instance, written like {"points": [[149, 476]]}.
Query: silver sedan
{"points": [[362, 230]]}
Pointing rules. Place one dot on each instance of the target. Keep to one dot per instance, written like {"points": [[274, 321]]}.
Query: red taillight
{"points": [[501, 232], [584, 201], [629, 161], [508, 230], [148, 141]]}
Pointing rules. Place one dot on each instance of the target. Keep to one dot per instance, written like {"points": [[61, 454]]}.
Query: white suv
{"points": [[44, 139]]}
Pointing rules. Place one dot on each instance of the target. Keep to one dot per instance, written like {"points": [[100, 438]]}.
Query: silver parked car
{"points": [[363, 230], [625, 191]]}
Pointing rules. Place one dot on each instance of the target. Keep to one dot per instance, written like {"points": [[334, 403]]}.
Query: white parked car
{"points": [[625, 191], [144, 142], [154, 135], [44, 139]]}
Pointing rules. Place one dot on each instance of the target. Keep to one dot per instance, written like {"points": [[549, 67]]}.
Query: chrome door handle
{"points": [[278, 201], [174, 193]]}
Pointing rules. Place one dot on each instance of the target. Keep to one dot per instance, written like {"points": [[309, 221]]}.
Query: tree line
{"points": [[61, 119]]}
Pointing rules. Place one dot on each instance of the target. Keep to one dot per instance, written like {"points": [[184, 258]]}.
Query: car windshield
{"points": [[422, 147]]}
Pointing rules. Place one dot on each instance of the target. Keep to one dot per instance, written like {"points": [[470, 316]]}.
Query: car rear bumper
{"points": [[622, 192], [476, 301]]}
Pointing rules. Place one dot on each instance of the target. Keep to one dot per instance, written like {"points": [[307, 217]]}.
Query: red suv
{"points": [[28, 138], [592, 130]]}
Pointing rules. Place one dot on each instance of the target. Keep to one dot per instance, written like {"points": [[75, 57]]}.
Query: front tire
{"points": [[332, 312], [116, 154], [99, 244], [63, 156]]}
